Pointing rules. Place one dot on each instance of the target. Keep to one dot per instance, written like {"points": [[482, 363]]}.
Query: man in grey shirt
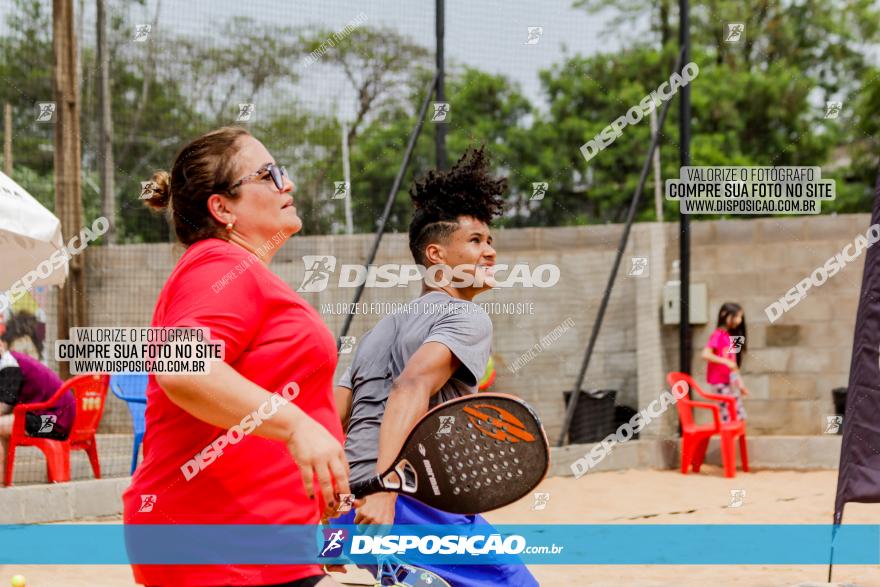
{"points": [[460, 325], [434, 350]]}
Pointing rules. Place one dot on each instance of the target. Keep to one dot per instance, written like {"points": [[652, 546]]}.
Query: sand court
{"points": [[626, 497]]}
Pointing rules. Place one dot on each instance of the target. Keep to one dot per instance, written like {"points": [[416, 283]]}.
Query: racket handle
{"points": [[367, 487]]}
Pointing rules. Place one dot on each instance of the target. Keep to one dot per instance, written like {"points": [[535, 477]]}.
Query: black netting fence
{"points": [[333, 88]]}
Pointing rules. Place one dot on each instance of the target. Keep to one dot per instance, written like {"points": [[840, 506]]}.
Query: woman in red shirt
{"points": [[231, 205]]}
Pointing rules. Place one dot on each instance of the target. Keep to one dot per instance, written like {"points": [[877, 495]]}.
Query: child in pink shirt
{"points": [[724, 353]]}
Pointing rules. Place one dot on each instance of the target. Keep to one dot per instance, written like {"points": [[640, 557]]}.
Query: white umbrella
{"points": [[29, 234]]}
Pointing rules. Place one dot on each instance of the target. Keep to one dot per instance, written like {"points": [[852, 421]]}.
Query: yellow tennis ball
{"points": [[18, 581]]}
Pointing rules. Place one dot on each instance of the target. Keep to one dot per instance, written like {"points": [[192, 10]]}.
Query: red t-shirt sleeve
{"points": [[219, 292]]}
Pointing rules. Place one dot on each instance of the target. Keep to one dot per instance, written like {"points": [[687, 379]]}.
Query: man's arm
{"points": [[425, 373]]}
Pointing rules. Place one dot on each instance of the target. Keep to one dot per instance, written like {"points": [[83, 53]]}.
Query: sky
{"points": [[488, 34]]}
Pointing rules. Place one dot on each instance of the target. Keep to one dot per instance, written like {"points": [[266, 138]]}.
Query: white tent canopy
{"points": [[29, 234]]}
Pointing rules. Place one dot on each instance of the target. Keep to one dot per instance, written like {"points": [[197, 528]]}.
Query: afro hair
{"points": [[441, 197]]}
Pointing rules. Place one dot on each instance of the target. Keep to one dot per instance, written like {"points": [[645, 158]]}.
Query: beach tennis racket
{"points": [[398, 574], [468, 455]]}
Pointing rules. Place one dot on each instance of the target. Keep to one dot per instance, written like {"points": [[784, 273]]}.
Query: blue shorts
{"points": [[410, 511]]}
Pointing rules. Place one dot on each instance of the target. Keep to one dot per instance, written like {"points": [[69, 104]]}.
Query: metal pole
{"points": [[658, 190], [630, 216], [380, 230], [684, 124], [440, 129], [346, 177]]}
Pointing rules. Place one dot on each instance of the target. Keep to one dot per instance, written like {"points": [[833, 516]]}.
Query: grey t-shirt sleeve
{"points": [[348, 376], [345, 380], [468, 334]]}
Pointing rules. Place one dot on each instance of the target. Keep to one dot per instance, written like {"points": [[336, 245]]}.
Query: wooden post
{"points": [[68, 184], [105, 126], [7, 139]]}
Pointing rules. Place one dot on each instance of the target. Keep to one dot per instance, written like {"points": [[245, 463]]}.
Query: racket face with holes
{"points": [[474, 454], [408, 576]]}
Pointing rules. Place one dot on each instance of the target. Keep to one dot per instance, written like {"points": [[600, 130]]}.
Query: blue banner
{"points": [[637, 544]]}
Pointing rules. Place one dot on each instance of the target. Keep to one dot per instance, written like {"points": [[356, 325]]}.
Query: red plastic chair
{"points": [[90, 392], [695, 438]]}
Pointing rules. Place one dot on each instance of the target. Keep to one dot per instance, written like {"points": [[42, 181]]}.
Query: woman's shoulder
{"points": [[209, 267], [212, 258]]}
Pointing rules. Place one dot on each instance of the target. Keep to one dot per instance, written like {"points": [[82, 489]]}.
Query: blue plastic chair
{"points": [[132, 389]]}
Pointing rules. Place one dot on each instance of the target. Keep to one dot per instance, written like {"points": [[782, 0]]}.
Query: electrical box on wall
{"points": [[697, 303]]}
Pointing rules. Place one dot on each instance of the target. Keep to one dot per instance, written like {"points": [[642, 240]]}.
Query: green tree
{"points": [[380, 66], [859, 157], [485, 109], [820, 49], [26, 74]]}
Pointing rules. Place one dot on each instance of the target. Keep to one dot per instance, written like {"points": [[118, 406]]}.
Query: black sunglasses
{"points": [[275, 172]]}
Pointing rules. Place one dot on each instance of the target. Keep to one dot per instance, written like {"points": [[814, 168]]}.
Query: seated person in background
{"points": [[25, 380], [24, 333]]}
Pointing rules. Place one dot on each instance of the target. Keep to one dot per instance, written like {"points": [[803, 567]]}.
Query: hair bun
{"points": [[156, 193]]}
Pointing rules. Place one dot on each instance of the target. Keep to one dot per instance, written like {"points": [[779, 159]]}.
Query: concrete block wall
{"points": [[791, 365], [123, 283], [62, 502], [583, 257]]}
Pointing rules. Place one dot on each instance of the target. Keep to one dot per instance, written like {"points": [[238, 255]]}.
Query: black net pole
{"points": [[440, 129], [600, 315], [380, 230], [684, 220]]}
